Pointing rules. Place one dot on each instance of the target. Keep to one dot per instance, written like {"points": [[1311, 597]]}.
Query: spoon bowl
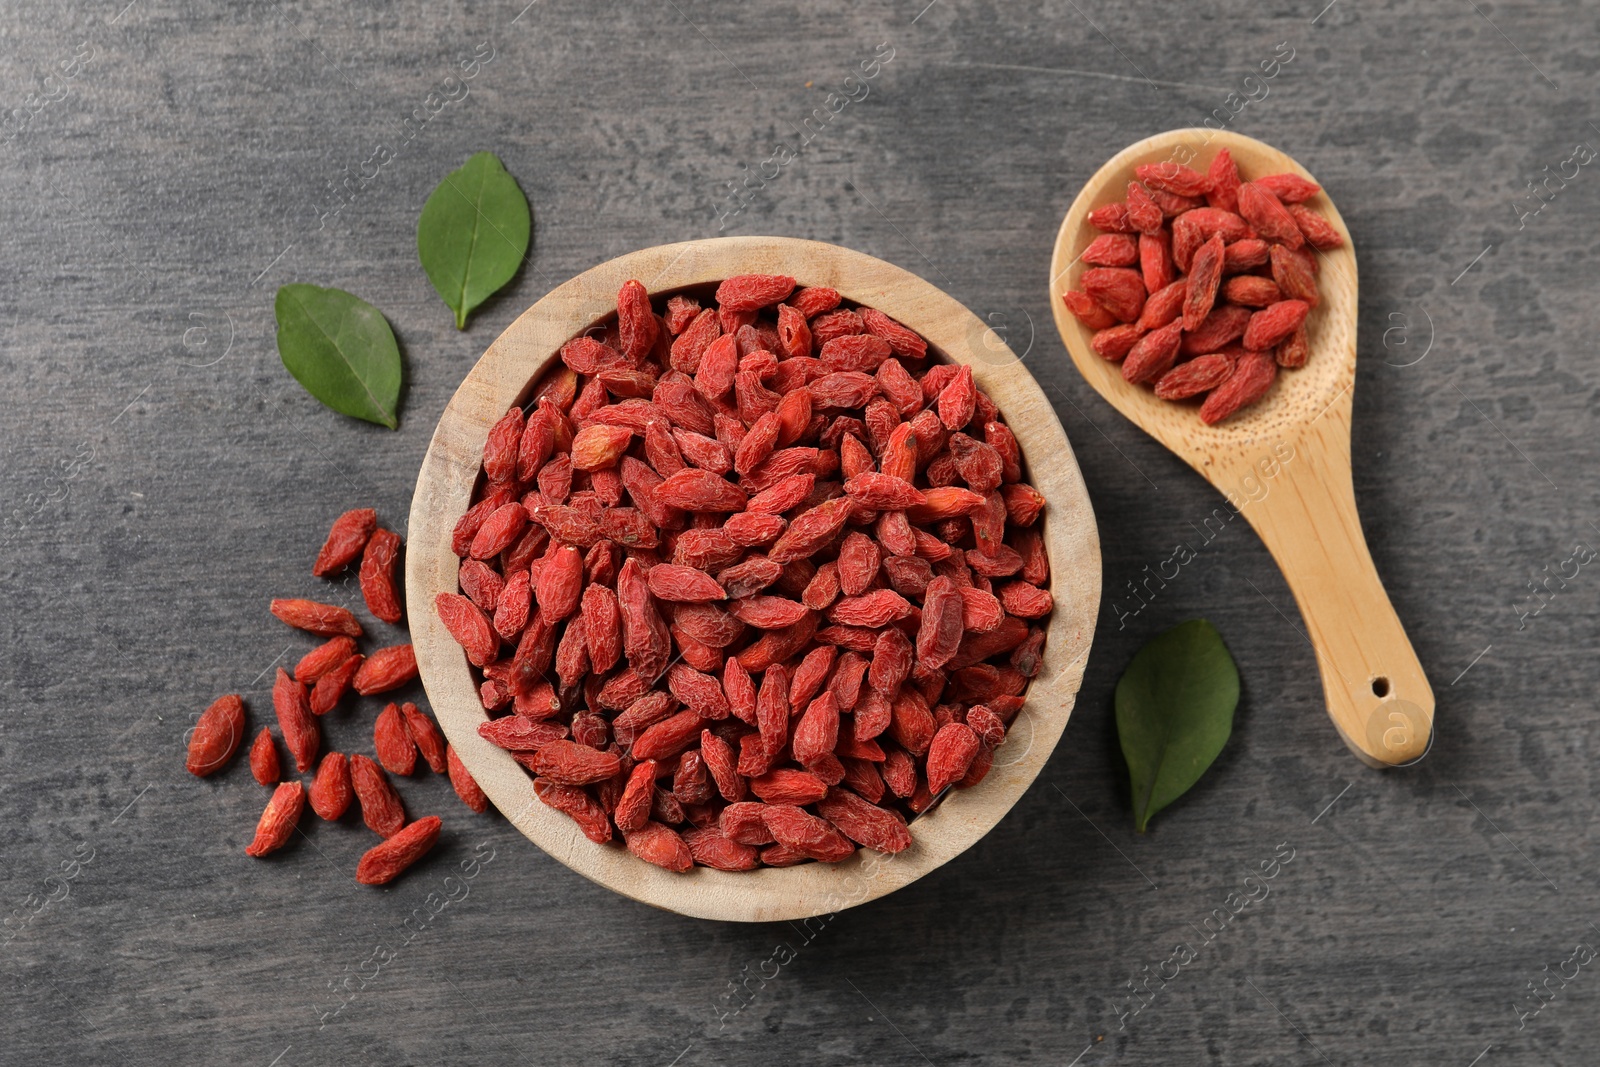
{"points": [[1283, 462]]}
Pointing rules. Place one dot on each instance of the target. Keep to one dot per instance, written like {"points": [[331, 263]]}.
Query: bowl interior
{"points": [[506, 374], [1298, 396]]}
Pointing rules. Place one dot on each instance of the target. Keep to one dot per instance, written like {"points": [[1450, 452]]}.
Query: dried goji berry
{"points": [[516, 733], [383, 863], [674, 582], [1120, 290], [668, 737], [570, 763], [1266, 213], [381, 809], [950, 755], [347, 537], [1111, 250], [865, 823], [264, 759], [1199, 375], [499, 531], [278, 820], [636, 322], [1153, 354], [884, 492], [1174, 178], [1296, 350], [1200, 289], [322, 659], [1088, 311], [1223, 325], [578, 804], [331, 687], [325, 619], [1223, 174], [299, 729], [659, 844], [1252, 376], [216, 736], [1143, 213], [330, 793], [811, 530], [1274, 324], [464, 784], [392, 742], [806, 834], [751, 291], [386, 669], [1318, 231], [1289, 188], [1112, 217]]}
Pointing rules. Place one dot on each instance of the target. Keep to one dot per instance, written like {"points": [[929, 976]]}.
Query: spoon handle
{"points": [[1304, 509]]}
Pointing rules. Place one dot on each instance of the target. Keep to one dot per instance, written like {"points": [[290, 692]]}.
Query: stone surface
{"points": [[164, 477]]}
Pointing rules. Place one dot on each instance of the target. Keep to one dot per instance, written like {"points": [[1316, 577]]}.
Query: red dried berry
{"points": [[1252, 376], [331, 687], [346, 539], [324, 658], [464, 784], [299, 728], [216, 736], [950, 755], [469, 626], [264, 759], [392, 742], [330, 793], [383, 863], [386, 669], [381, 809], [325, 619], [660, 845], [278, 820]]}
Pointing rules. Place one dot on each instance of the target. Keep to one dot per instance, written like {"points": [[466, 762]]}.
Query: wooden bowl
{"points": [[505, 376]]}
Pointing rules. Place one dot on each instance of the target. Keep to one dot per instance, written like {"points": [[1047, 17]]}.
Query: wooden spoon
{"points": [[1284, 462]]}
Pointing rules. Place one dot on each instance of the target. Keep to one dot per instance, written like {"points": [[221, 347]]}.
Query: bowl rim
{"points": [[503, 376]]}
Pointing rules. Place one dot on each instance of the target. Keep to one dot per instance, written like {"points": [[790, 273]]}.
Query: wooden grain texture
{"points": [[162, 477], [505, 376], [1283, 462]]}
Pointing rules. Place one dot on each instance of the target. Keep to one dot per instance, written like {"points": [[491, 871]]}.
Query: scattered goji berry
{"points": [[264, 759], [299, 728], [464, 784], [346, 539], [386, 669], [325, 619], [392, 742], [330, 793], [383, 863], [278, 820], [378, 582], [216, 736], [381, 809]]}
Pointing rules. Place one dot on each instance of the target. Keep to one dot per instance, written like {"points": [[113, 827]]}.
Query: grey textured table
{"points": [[164, 477]]}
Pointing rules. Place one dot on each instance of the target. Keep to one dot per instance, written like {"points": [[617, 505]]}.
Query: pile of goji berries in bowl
{"points": [[750, 578], [1201, 284]]}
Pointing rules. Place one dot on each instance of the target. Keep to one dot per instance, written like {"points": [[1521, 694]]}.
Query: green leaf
{"points": [[473, 233], [1174, 713], [341, 349]]}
